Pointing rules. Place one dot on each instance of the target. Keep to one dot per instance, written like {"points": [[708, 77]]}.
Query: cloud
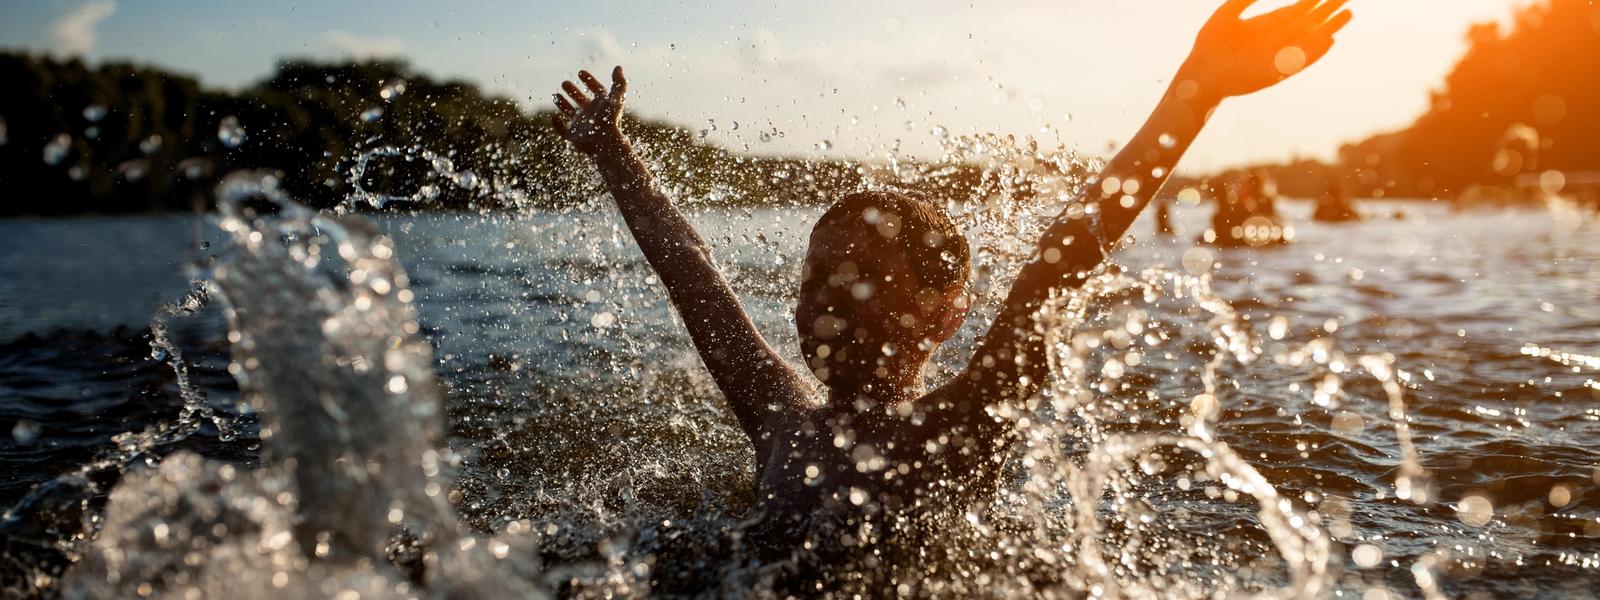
{"points": [[74, 33], [599, 45], [350, 45]]}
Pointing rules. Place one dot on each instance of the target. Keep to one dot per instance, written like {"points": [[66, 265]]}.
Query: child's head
{"points": [[883, 283]]}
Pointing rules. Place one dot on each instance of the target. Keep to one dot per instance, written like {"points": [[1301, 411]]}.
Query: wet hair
{"points": [[932, 244]]}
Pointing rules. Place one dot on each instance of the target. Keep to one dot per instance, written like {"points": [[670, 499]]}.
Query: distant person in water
{"points": [[1247, 213], [1334, 206], [1164, 219], [885, 282]]}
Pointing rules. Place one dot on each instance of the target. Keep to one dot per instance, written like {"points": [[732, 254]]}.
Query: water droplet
{"points": [[862, 290], [939, 131], [230, 132], [1560, 495], [1198, 261], [1348, 423], [25, 431], [94, 112], [602, 320], [151, 144], [372, 114], [1366, 556], [134, 170], [825, 145], [1167, 141], [1278, 328], [194, 168], [1290, 60], [57, 148], [889, 349], [1475, 510], [91, 132], [392, 89]]}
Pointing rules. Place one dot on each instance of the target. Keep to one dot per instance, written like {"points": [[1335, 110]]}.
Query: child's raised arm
{"points": [[1232, 56], [749, 373]]}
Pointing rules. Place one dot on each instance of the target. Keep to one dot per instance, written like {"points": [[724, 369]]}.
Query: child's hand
{"points": [[1233, 56], [591, 125]]}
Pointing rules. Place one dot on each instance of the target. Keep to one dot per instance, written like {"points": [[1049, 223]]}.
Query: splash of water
{"points": [[196, 409], [354, 495], [353, 482]]}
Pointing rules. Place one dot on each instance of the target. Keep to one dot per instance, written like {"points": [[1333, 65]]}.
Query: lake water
{"points": [[570, 388]]}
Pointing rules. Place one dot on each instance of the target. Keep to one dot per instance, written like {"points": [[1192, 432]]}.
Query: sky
{"points": [[856, 78]]}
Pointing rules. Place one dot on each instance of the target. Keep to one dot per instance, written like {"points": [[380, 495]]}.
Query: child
{"points": [[884, 283]]}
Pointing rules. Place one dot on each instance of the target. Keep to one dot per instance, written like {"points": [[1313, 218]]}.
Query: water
{"points": [[230, 132], [1233, 413]]}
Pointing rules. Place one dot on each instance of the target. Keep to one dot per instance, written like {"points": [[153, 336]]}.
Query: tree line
{"points": [[120, 138], [1521, 101]]}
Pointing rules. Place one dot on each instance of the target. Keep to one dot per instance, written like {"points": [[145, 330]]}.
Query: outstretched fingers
{"points": [[1321, 13], [1317, 19], [1233, 9], [619, 83], [565, 106], [1321, 39], [577, 95], [1334, 24], [566, 113], [1293, 13], [594, 85]]}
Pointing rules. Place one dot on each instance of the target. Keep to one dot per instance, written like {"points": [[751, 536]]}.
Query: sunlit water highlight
{"points": [[1408, 414]]}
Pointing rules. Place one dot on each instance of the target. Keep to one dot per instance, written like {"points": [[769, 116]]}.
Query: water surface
{"points": [[567, 378]]}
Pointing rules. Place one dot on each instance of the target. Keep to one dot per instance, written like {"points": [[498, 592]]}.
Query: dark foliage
{"points": [[1518, 103], [123, 138]]}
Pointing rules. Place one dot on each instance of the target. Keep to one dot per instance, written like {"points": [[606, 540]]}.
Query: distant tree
{"points": [[1519, 101]]}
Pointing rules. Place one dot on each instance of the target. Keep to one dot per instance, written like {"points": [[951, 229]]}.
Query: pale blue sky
{"points": [[825, 70]]}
